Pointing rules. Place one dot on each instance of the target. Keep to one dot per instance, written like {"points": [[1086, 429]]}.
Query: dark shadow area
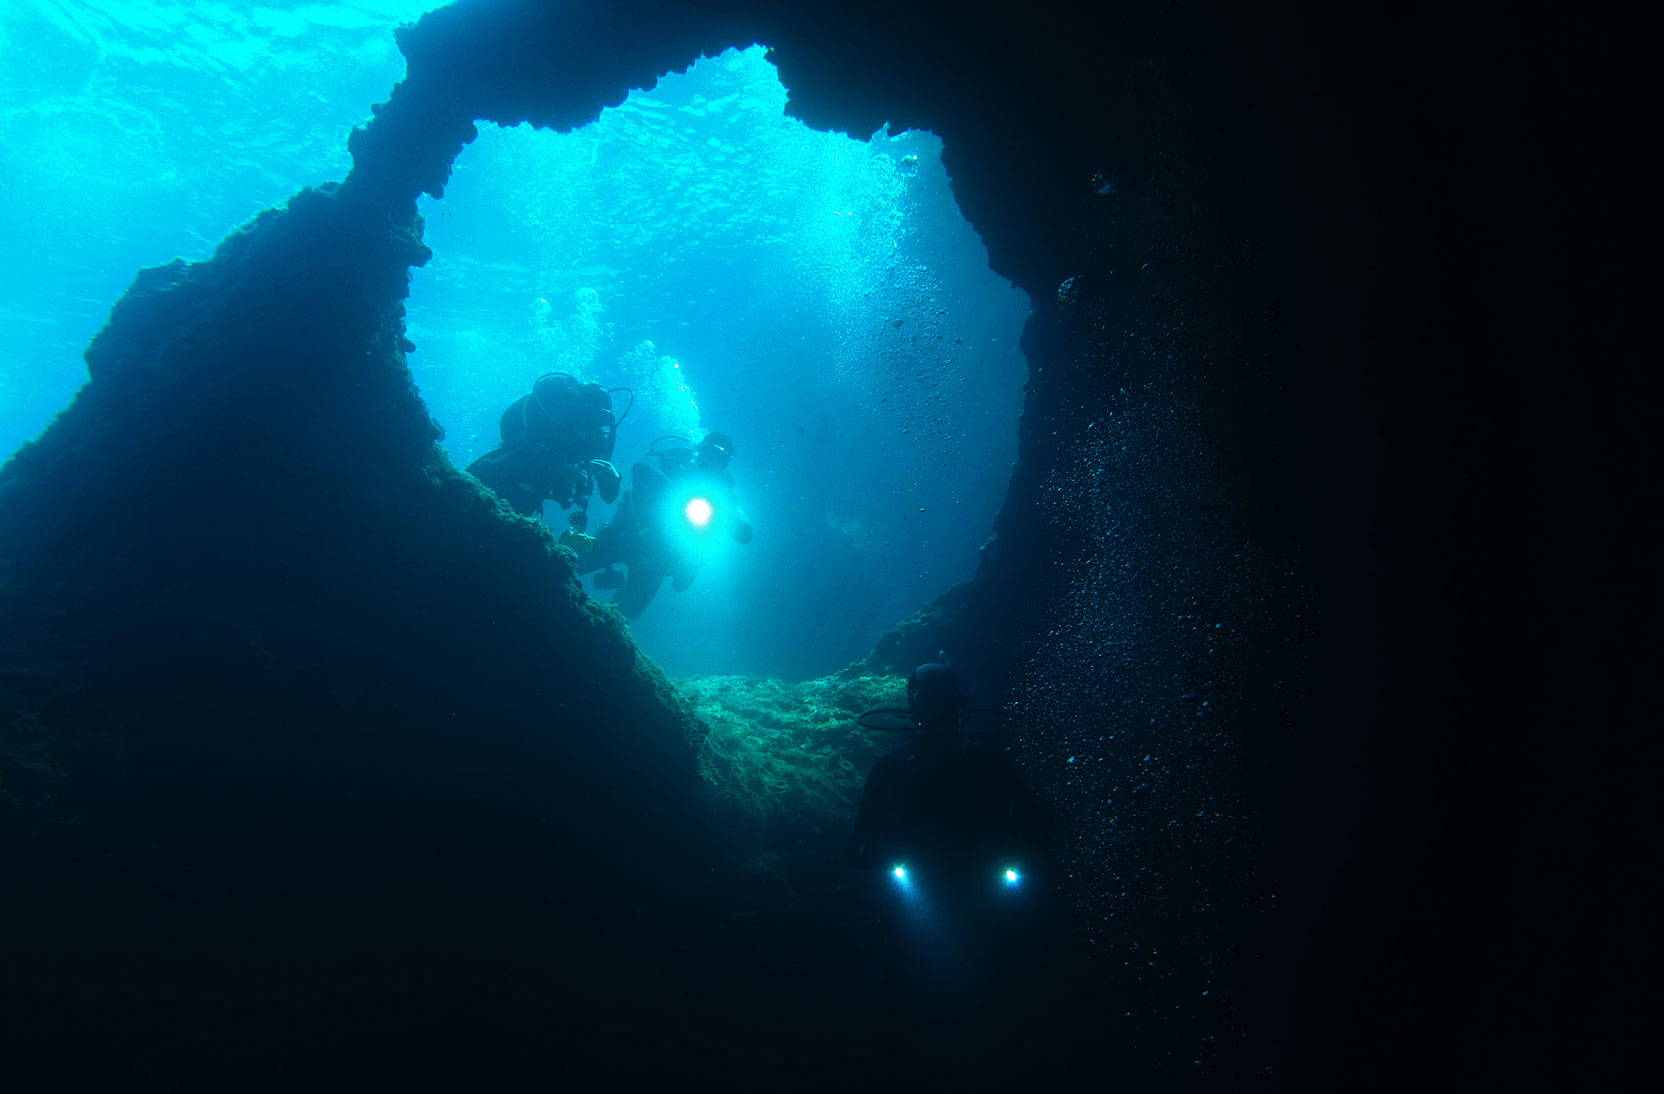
{"points": [[263, 827]]}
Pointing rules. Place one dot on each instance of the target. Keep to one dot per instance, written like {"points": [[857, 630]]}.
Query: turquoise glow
{"points": [[136, 132], [816, 296]]}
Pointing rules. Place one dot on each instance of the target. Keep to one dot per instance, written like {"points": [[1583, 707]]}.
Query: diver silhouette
{"points": [[959, 855], [679, 497], [557, 444]]}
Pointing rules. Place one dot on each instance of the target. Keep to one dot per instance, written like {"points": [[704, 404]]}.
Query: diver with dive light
{"points": [[948, 800], [557, 445], [680, 497], [961, 858]]}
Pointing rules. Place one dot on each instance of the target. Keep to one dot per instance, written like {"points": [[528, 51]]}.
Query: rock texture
{"points": [[318, 766]]}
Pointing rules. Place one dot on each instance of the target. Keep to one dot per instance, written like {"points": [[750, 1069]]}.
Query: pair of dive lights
{"points": [[1010, 876]]}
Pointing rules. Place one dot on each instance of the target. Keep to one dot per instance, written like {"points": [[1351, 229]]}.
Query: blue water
{"points": [[816, 296], [819, 298], [135, 133]]}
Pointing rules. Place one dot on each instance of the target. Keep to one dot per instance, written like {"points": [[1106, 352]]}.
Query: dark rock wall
{"points": [[301, 728], [313, 755]]}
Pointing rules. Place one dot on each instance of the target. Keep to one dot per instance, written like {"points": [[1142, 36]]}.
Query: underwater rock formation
{"points": [[305, 741], [300, 699]]}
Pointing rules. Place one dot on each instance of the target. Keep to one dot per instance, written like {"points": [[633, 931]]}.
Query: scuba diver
{"points": [[965, 853], [679, 497], [557, 444], [946, 799]]}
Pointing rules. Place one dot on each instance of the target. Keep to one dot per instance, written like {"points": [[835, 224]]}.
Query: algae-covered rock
{"points": [[790, 755]]}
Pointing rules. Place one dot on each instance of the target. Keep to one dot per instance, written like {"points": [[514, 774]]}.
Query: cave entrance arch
{"points": [[819, 298]]}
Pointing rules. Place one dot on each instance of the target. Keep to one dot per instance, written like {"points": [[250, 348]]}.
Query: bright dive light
{"points": [[698, 512], [900, 873], [1012, 877]]}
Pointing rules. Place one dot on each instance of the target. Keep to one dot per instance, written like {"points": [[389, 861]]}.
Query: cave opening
{"points": [[819, 298]]}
